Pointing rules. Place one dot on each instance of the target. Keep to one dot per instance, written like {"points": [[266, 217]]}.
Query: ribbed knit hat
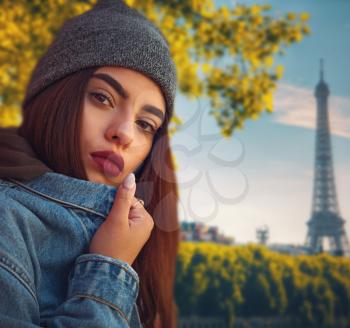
{"points": [[109, 34]]}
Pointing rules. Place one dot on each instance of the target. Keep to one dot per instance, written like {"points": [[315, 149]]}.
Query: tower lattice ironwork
{"points": [[325, 221]]}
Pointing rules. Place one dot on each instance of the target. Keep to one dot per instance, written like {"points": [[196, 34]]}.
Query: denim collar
{"points": [[89, 196]]}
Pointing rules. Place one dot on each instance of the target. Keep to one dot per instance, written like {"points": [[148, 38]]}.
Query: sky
{"points": [[263, 175]]}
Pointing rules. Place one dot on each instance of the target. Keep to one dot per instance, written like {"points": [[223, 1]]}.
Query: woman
{"points": [[81, 244]]}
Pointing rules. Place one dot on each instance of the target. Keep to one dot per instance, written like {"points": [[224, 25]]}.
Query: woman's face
{"points": [[122, 111]]}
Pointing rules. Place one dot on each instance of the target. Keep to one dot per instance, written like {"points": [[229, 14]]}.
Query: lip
{"points": [[110, 156]]}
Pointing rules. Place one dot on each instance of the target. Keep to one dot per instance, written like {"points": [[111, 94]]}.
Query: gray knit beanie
{"points": [[110, 34]]}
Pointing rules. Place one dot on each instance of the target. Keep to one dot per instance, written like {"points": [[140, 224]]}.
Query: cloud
{"points": [[297, 106]]}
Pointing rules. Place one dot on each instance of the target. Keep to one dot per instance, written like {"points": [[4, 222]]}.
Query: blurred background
{"points": [[261, 139]]}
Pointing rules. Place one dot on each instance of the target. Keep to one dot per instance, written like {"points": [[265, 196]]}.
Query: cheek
{"points": [[147, 152], [87, 135], [140, 149], [91, 125]]}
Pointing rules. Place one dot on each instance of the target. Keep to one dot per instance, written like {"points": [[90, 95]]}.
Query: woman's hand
{"points": [[126, 228]]}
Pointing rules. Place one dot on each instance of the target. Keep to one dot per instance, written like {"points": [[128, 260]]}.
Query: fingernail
{"points": [[129, 181]]}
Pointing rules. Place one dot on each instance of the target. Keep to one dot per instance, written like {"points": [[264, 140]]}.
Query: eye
{"points": [[101, 97], [145, 125]]}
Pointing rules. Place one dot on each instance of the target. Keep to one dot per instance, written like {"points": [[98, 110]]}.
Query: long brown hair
{"points": [[52, 124]]}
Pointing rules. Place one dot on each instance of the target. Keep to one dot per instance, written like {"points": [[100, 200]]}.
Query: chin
{"points": [[98, 178]]}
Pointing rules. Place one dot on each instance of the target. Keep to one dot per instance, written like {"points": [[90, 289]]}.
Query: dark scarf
{"points": [[17, 158]]}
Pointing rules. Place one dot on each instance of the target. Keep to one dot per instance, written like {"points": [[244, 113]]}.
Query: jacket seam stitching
{"points": [[55, 199], [138, 319], [101, 300], [4, 183], [20, 279], [7, 261]]}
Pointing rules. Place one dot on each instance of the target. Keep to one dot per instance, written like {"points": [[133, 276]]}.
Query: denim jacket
{"points": [[47, 276]]}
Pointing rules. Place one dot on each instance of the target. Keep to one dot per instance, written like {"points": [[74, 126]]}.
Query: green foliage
{"points": [[245, 281]]}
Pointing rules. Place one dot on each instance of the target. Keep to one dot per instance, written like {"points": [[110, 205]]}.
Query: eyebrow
{"points": [[125, 95]]}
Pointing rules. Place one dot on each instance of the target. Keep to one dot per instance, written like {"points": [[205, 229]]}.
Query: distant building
{"points": [[262, 235], [198, 231], [289, 249], [326, 222]]}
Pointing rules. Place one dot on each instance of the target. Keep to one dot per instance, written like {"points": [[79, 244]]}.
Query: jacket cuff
{"points": [[105, 279]]}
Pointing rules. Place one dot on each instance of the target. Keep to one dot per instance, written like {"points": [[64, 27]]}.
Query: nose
{"points": [[121, 131]]}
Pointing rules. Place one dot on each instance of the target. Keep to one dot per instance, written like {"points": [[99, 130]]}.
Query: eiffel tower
{"points": [[325, 221]]}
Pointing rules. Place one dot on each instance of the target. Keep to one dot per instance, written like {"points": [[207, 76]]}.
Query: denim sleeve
{"points": [[101, 293]]}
